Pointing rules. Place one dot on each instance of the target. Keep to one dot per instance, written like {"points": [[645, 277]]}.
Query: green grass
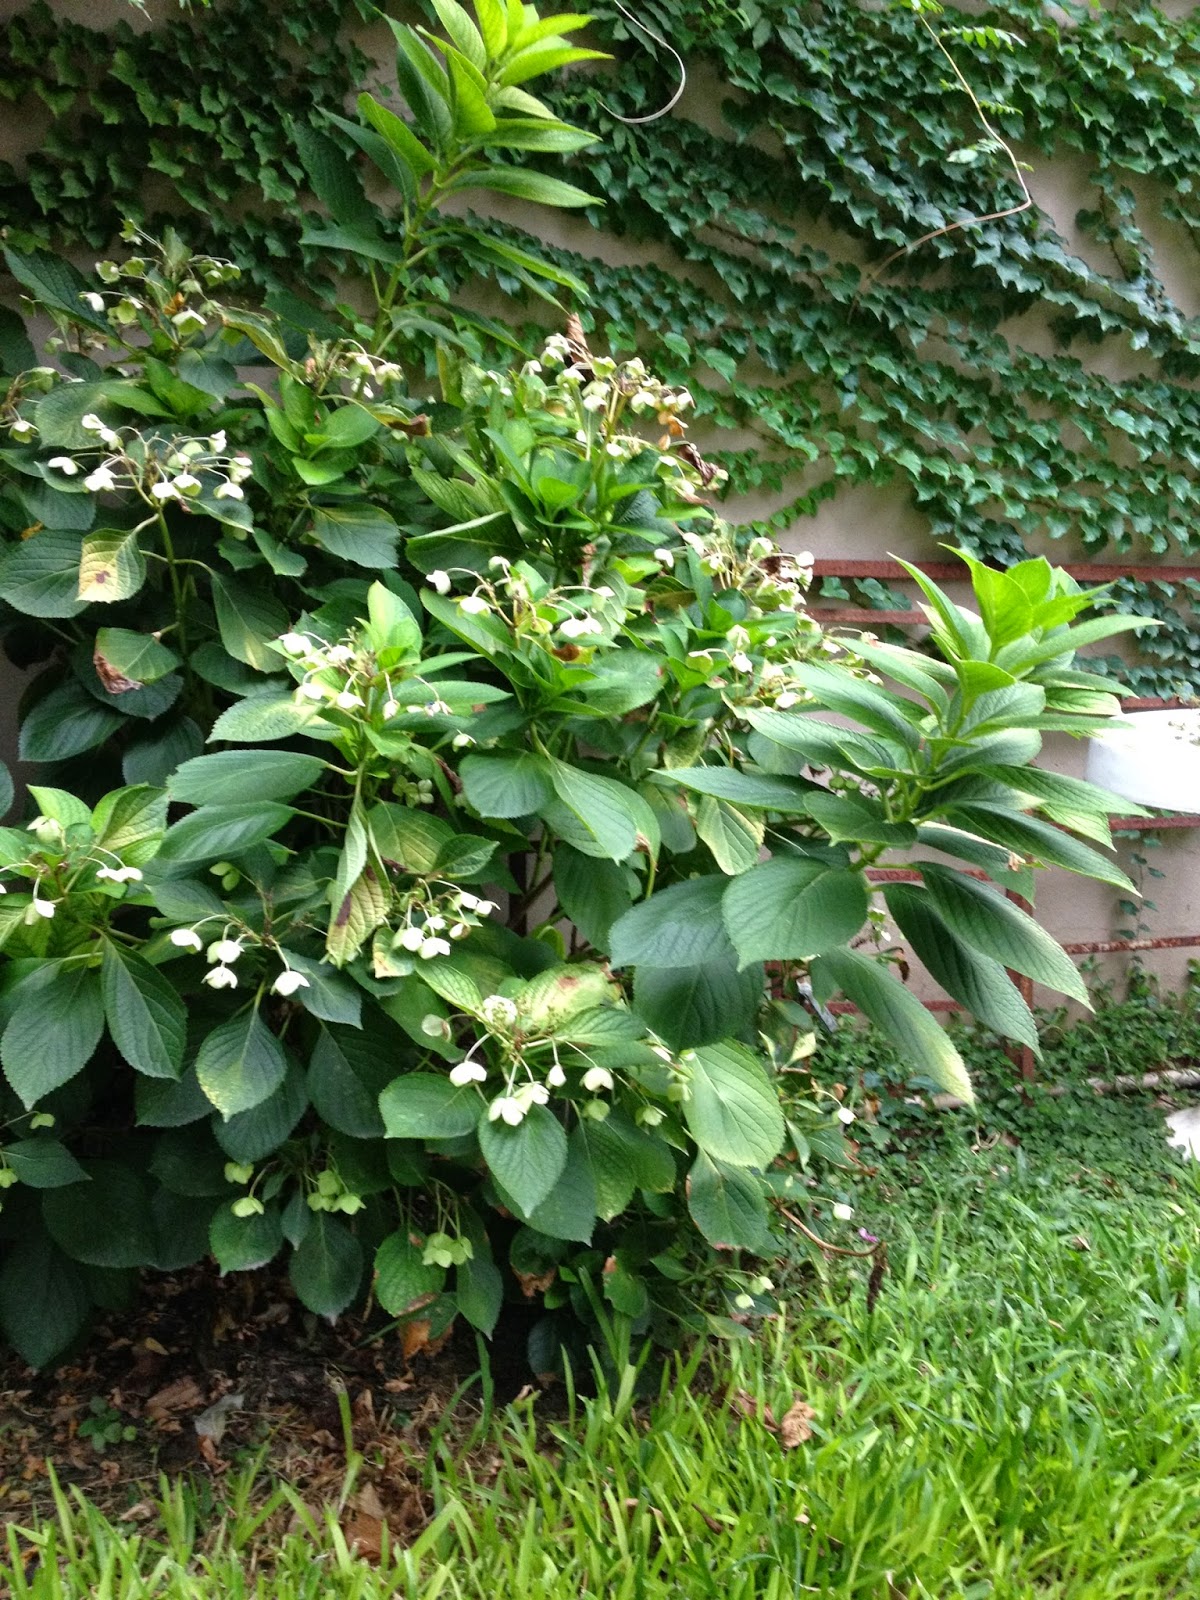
{"points": [[1019, 1417]]}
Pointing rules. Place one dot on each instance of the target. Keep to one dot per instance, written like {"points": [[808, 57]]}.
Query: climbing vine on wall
{"points": [[840, 365]]}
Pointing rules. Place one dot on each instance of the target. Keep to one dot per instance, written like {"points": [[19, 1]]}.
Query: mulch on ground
{"points": [[243, 1359]]}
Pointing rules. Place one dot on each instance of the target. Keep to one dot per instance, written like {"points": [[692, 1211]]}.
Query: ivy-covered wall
{"points": [[1024, 382]]}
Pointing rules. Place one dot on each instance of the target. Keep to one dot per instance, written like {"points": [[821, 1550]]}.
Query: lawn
{"points": [[1019, 1416]]}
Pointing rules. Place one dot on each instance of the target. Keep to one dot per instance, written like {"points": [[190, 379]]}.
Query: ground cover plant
{"points": [[437, 808], [1014, 1418]]}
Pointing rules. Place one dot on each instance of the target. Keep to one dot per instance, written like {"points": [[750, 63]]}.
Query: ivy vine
{"points": [[908, 371]]}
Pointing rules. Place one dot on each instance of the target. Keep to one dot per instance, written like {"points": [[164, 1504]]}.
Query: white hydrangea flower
{"points": [[434, 947], [64, 464], [294, 643], [785, 701], [221, 978], [498, 1011], [99, 480], [467, 1072], [474, 605], [188, 321], [507, 1109], [578, 627], [48, 829], [412, 939], [460, 930], [484, 908], [461, 741], [665, 558], [225, 950], [843, 1212], [533, 1094], [289, 981], [596, 1078], [440, 581]]}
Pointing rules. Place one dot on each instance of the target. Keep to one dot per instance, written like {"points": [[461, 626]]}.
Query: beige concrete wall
{"points": [[860, 521]]}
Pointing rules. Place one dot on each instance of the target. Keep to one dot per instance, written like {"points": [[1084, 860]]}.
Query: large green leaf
{"points": [[229, 776], [523, 184], [273, 714], [857, 819], [978, 981], [104, 1222], [701, 1004], [506, 785], [527, 1160], [44, 1301], [42, 1163], [250, 619], [240, 1063], [146, 1017], [54, 1028], [403, 1282], [242, 1244], [592, 892], [728, 1205], [131, 822], [791, 908], [257, 1133], [214, 832], [676, 927], [734, 838], [39, 576], [65, 723], [360, 533], [607, 811], [326, 1268], [758, 789], [989, 922], [420, 1105], [1037, 840], [56, 284], [732, 1109], [346, 1076], [137, 657], [897, 1013]]}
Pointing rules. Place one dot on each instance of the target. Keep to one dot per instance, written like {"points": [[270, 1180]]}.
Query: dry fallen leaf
{"points": [[414, 1336], [211, 1424], [178, 1396], [795, 1427], [747, 1406]]}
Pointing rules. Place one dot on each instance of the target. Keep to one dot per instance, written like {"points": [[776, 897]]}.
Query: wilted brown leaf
{"points": [[795, 1427], [181, 1395]]}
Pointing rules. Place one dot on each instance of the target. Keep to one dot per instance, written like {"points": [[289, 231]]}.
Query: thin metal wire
{"points": [[666, 110]]}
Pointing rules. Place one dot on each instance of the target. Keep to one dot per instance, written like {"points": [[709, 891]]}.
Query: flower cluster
{"points": [[224, 953], [432, 916], [182, 470]]}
